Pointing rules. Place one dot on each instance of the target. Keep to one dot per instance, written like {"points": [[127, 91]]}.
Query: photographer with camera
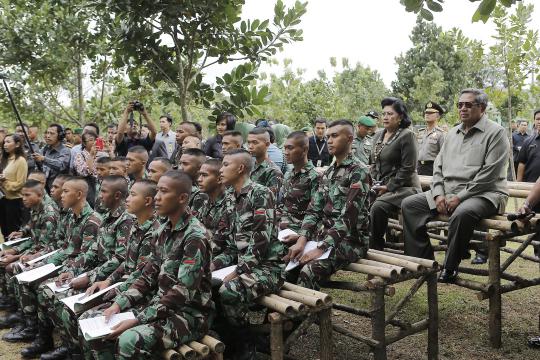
{"points": [[129, 135]]}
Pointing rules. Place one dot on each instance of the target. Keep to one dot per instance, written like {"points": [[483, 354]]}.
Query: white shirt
{"points": [[169, 139]]}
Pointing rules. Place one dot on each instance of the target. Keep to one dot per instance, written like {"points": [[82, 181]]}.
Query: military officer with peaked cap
{"points": [[430, 139]]}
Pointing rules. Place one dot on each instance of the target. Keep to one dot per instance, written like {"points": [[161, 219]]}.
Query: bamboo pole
{"points": [[325, 328], [433, 317], [171, 355], [327, 299], [214, 344], [276, 305], [300, 330], [409, 265], [517, 252], [372, 270], [303, 298], [399, 269], [187, 352], [430, 264], [378, 325], [199, 348], [369, 341], [524, 256], [368, 286], [415, 328], [473, 285], [495, 301], [276, 336], [404, 300], [297, 306]]}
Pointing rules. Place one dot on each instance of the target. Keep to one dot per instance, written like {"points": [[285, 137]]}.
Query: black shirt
{"points": [[517, 142], [530, 156], [318, 150], [128, 142]]}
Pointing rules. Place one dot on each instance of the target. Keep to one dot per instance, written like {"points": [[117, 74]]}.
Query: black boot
{"points": [[42, 343], [27, 334], [10, 320], [59, 353]]}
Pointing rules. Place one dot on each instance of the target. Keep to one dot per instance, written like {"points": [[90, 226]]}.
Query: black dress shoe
{"points": [[42, 343], [448, 276], [479, 259], [27, 334], [534, 342], [60, 353], [9, 320]]}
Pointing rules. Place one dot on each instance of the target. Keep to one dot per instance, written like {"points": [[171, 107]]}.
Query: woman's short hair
{"points": [[399, 106], [230, 120]]}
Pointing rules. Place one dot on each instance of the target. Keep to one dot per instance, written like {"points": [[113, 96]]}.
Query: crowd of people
{"points": [[155, 213]]}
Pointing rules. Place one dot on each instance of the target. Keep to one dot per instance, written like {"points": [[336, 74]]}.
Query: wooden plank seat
{"points": [[383, 269], [494, 233]]}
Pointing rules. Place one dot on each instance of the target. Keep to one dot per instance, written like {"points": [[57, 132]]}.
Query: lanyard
{"points": [[319, 150]]}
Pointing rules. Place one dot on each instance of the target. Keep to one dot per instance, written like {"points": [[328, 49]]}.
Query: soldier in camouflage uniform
{"points": [[265, 172], [299, 185], [213, 213], [341, 206], [40, 229], [140, 203], [252, 245], [361, 146], [190, 163], [102, 170], [79, 232], [104, 255], [177, 278]]}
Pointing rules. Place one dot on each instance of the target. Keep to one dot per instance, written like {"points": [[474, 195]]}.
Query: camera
{"points": [[138, 106]]}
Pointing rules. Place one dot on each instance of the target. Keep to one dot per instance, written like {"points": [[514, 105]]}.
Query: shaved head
{"points": [[117, 183], [243, 156], [79, 184], [345, 126], [181, 180]]}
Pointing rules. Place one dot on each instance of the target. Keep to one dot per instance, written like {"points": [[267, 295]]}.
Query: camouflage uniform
{"points": [[267, 174], [138, 252], [104, 255], [196, 200], [77, 234], [254, 248], [341, 205], [41, 229], [361, 148], [177, 277], [215, 219], [297, 191]]}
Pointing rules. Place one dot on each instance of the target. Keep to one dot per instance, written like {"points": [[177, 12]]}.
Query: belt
{"points": [[425, 162]]}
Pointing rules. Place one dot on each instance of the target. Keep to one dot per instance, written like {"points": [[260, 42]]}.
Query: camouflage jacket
{"points": [[177, 274], [196, 200], [215, 219], [41, 228], [76, 235], [137, 254], [340, 207], [361, 148], [267, 174], [108, 250], [252, 241], [297, 191]]}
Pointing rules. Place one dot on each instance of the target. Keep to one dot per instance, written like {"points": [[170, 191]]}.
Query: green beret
{"points": [[366, 121], [77, 131]]}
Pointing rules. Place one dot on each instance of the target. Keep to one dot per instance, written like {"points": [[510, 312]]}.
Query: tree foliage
{"points": [[178, 42]]}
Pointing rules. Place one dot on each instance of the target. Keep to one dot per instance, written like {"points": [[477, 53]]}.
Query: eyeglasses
{"points": [[467, 104]]}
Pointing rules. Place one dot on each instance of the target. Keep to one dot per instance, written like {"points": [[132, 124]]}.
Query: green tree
{"points": [[178, 42], [426, 8]]}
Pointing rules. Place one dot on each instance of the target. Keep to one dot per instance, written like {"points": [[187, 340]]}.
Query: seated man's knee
{"points": [[128, 342]]}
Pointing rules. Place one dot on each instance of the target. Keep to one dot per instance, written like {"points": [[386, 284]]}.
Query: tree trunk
{"points": [[80, 90]]}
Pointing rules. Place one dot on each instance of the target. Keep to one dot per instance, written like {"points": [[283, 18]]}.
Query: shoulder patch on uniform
{"points": [[189, 261], [355, 186], [260, 212]]}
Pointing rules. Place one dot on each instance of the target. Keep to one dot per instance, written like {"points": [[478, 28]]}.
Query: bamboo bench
{"points": [[383, 269], [494, 232], [292, 303], [205, 348]]}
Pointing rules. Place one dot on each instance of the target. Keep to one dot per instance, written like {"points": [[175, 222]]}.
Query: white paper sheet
{"points": [[310, 245], [37, 273], [44, 256], [81, 299], [222, 273], [284, 233], [96, 327], [8, 244], [63, 287]]}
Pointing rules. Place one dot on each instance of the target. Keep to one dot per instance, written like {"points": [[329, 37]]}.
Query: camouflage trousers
{"points": [[237, 295], [145, 341], [51, 307], [317, 271]]}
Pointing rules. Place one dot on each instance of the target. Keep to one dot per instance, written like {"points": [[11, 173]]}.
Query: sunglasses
{"points": [[467, 104]]}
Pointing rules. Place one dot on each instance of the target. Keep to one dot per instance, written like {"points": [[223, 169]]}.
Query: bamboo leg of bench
{"points": [[325, 331], [378, 324], [495, 306], [433, 313], [276, 336]]}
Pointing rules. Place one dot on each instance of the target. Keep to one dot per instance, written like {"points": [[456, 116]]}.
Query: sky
{"points": [[372, 32]]}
